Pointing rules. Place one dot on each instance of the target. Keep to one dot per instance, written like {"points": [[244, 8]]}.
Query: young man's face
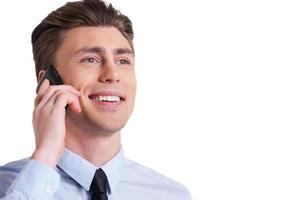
{"points": [[99, 62]]}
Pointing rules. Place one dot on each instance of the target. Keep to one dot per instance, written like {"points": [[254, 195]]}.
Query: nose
{"points": [[109, 73]]}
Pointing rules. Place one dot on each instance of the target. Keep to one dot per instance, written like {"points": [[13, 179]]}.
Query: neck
{"points": [[97, 149]]}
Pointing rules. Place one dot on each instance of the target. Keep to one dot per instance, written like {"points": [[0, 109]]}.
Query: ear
{"points": [[41, 74]]}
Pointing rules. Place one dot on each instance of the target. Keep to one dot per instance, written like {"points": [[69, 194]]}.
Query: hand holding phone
{"points": [[49, 116]]}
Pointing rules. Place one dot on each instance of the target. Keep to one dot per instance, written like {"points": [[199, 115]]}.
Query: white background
{"points": [[218, 103]]}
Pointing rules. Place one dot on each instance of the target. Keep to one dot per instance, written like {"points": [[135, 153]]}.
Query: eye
{"points": [[123, 62], [89, 60]]}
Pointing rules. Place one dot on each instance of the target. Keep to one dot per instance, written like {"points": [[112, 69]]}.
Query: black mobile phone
{"points": [[52, 75]]}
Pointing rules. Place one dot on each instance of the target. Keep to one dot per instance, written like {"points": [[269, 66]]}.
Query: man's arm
{"points": [[38, 180], [35, 181]]}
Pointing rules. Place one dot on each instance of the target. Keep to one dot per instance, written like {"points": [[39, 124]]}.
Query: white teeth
{"points": [[107, 98]]}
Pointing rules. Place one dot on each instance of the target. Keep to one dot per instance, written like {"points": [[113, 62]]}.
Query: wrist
{"points": [[47, 157]]}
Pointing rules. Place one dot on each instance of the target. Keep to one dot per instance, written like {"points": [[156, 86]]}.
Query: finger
{"points": [[60, 99], [68, 88], [43, 88], [53, 89], [46, 96], [64, 99]]}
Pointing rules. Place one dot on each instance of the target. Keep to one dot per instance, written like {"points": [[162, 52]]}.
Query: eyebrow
{"points": [[117, 51]]}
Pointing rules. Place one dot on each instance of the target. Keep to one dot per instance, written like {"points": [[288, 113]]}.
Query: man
{"points": [[77, 125]]}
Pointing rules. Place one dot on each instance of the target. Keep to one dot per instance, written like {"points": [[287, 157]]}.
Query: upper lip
{"points": [[107, 93]]}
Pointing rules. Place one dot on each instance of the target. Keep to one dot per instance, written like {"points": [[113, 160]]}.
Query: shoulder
{"points": [[149, 177], [12, 168], [150, 174], [14, 165], [9, 172]]}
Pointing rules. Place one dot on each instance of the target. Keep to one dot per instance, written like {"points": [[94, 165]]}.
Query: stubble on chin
{"points": [[86, 124]]}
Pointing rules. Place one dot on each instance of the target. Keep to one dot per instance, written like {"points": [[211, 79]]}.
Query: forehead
{"points": [[108, 37]]}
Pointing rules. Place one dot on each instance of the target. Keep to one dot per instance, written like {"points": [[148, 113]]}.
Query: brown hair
{"points": [[47, 36]]}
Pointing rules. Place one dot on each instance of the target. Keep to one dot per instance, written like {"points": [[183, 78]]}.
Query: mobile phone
{"points": [[52, 75]]}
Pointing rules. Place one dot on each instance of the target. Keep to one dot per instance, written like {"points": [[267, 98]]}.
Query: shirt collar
{"points": [[82, 171]]}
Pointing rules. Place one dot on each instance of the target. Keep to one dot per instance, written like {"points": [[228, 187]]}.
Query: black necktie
{"points": [[99, 185]]}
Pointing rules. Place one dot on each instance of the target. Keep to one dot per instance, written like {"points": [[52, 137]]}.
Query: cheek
{"points": [[79, 78], [129, 85], [77, 82], [133, 87], [132, 83], [130, 76]]}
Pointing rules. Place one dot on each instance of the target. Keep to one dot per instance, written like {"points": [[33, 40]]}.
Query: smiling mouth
{"points": [[106, 98]]}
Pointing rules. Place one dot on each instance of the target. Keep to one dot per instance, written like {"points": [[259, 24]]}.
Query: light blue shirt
{"points": [[71, 179]]}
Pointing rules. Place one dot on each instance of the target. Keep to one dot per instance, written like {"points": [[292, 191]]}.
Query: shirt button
{"points": [[49, 189]]}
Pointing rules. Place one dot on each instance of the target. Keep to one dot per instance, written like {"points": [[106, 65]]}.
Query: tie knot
{"points": [[99, 183]]}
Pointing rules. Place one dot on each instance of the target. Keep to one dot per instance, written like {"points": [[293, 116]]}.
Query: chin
{"points": [[107, 124]]}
